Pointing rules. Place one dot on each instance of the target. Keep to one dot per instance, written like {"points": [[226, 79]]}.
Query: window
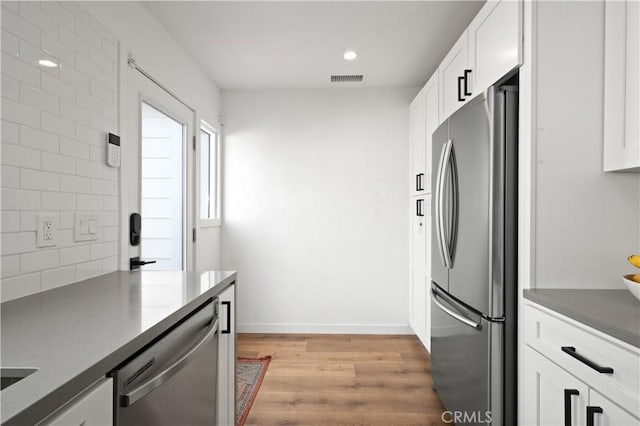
{"points": [[209, 176]]}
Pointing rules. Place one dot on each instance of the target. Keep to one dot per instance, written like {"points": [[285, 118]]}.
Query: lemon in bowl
{"points": [[633, 284]]}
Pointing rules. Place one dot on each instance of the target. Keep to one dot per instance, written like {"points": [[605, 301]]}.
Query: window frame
{"points": [[214, 135]]}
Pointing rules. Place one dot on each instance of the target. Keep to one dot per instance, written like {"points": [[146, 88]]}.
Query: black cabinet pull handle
{"points": [[571, 351], [228, 305], [419, 182], [591, 414], [460, 82], [419, 211], [466, 82], [568, 393]]}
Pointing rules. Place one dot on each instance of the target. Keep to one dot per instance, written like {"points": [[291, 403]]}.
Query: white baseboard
{"points": [[292, 328]]}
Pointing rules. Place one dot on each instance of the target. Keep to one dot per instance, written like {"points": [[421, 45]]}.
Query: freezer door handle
{"points": [[138, 393], [451, 312]]}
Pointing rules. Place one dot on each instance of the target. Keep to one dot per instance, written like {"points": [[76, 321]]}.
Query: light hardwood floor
{"points": [[342, 379]]}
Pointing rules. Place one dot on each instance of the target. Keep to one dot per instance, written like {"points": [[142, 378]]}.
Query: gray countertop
{"points": [[75, 334], [614, 312]]}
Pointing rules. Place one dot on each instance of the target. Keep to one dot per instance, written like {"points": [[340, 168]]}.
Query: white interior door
{"points": [[159, 174]]}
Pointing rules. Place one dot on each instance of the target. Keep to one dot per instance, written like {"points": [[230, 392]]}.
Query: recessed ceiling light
{"points": [[47, 63], [350, 55]]}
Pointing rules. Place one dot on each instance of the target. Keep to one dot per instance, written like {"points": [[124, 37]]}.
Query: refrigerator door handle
{"points": [[453, 313], [438, 206], [446, 161]]}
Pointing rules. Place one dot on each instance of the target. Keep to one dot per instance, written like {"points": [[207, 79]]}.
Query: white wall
{"points": [[587, 221], [54, 125], [158, 53], [315, 216]]}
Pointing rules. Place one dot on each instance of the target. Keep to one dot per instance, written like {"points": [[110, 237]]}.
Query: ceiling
{"points": [[269, 44]]}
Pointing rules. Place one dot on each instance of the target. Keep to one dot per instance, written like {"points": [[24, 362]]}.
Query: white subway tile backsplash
{"points": [[20, 27], [10, 43], [64, 53], [55, 86], [10, 132], [89, 202], [73, 255], [102, 250], [57, 200], [10, 266], [10, 221], [19, 156], [36, 98], [74, 148], [71, 75], [58, 163], [88, 168], [58, 277], [18, 242], [70, 39], [88, 270], [10, 88], [57, 125], [39, 261], [21, 114], [85, 32], [34, 15], [10, 177], [60, 14], [20, 199], [20, 286], [77, 184], [54, 122], [43, 141]]}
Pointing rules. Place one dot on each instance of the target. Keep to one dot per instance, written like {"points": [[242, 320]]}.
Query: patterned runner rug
{"points": [[251, 372]]}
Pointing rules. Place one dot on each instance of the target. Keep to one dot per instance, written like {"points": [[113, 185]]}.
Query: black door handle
{"points": [[460, 82], [571, 351], [419, 211], [419, 179], [591, 414], [136, 263], [466, 82], [568, 393], [228, 305]]}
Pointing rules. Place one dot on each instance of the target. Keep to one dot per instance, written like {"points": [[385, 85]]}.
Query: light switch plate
{"points": [[85, 227], [47, 230]]}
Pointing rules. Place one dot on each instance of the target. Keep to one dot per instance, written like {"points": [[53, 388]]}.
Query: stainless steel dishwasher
{"points": [[174, 380]]}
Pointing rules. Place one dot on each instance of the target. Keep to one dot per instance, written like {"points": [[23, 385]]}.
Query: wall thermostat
{"points": [[113, 150]]}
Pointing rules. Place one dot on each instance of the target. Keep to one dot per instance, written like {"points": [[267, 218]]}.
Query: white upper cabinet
{"points": [[495, 42], [488, 49], [622, 86], [431, 123], [417, 145], [451, 76]]}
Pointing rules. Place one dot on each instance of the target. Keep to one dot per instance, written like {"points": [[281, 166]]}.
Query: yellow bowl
{"points": [[634, 287]]}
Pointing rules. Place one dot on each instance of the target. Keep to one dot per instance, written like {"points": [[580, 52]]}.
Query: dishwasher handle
{"points": [[138, 393]]}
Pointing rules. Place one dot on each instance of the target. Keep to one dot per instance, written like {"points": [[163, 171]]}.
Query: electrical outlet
{"points": [[46, 233]]}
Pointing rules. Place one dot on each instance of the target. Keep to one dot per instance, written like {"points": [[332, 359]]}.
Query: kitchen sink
{"points": [[9, 376]]}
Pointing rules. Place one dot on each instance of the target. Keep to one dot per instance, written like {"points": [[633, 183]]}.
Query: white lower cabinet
{"points": [[420, 303], [227, 358], [565, 376], [92, 407]]}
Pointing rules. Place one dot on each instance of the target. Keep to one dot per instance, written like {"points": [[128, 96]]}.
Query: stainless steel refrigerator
{"points": [[473, 259]]}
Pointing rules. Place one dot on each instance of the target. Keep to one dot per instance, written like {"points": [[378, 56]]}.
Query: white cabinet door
{"points": [[227, 358], [431, 123], [417, 292], [606, 413], [622, 86], [451, 75], [417, 146], [426, 340], [92, 407], [495, 42], [548, 391]]}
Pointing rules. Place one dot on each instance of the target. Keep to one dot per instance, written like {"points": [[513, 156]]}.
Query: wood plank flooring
{"points": [[342, 379]]}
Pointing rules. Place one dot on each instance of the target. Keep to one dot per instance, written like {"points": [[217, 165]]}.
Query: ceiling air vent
{"points": [[347, 78]]}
